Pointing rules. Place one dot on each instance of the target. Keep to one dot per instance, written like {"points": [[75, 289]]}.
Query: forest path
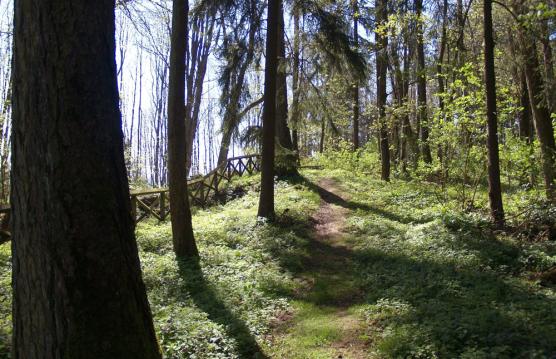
{"points": [[325, 323]]}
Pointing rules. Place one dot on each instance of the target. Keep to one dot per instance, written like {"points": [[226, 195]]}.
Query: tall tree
{"points": [[355, 134], [381, 72], [494, 186], [296, 70], [266, 200], [541, 116], [182, 228], [539, 106], [77, 284], [525, 121], [422, 85], [239, 55], [199, 51], [550, 79], [286, 160], [441, 54], [282, 129]]}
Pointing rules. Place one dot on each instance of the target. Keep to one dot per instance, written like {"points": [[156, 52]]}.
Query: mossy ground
{"points": [[409, 276]]}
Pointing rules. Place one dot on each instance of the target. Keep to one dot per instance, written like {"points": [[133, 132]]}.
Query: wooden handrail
{"points": [[189, 182], [155, 202]]}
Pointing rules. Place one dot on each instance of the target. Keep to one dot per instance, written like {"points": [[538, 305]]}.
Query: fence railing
{"points": [[156, 203]]}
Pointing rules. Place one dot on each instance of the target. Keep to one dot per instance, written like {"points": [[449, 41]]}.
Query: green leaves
{"points": [[329, 30]]}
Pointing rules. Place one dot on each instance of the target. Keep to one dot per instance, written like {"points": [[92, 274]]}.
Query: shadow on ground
{"points": [[206, 299], [333, 198], [425, 303]]}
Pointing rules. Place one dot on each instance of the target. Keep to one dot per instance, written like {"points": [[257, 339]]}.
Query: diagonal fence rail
{"points": [[155, 203]]}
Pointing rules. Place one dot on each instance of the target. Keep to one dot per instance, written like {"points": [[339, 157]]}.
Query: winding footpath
{"points": [[325, 323]]}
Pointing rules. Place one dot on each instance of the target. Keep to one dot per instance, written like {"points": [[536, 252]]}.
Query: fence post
{"points": [[163, 205]]}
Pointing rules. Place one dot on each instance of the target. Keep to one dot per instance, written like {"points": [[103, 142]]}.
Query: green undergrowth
{"points": [[423, 278], [437, 282], [222, 306]]}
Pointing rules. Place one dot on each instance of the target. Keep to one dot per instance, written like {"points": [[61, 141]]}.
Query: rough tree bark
{"points": [[294, 113], [381, 72], [422, 85], [286, 161], [494, 186], [266, 199], [355, 134], [77, 284], [182, 228], [541, 115]]}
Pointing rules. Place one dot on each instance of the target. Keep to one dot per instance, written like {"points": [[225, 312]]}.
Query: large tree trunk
{"points": [[355, 134], [494, 186], [77, 284], [294, 113], [525, 122], [541, 115], [282, 128], [182, 228], [286, 161], [550, 81], [381, 72], [422, 86], [266, 200]]}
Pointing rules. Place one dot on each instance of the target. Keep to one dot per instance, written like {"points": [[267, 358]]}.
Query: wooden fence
{"points": [[156, 202]]}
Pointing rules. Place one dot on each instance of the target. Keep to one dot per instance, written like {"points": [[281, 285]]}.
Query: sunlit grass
{"points": [[419, 277]]}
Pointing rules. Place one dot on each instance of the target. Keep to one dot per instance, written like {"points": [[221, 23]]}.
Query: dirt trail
{"points": [[331, 288], [330, 222], [329, 219]]}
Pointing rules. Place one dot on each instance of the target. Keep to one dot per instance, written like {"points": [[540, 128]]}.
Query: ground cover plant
{"points": [[351, 266]]}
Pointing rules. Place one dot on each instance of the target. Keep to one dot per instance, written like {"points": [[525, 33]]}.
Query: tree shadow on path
{"points": [[432, 300], [335, 199], [207, 300]]}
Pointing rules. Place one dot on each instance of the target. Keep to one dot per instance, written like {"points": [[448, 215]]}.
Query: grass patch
{"points": [[415, 277], [310, 333], [438, 283], [222, 305]]}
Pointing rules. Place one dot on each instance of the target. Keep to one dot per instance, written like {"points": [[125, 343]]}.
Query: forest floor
{"points": [[324, 324], [397, 270], [352, 267]]}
